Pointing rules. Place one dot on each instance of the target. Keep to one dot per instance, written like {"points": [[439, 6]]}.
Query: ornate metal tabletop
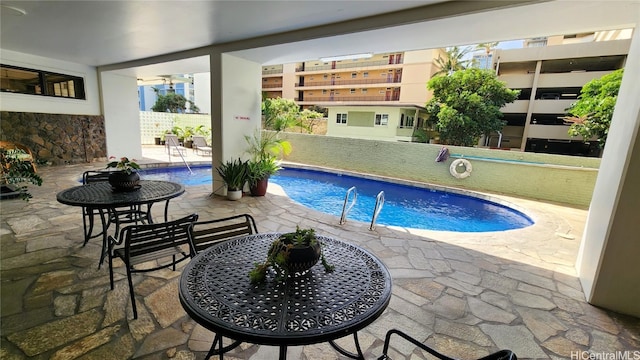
{"points": [[310, 308], [100, 194]]}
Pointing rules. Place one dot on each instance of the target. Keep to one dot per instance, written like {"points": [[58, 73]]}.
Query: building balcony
{"points": [[550, 106], [347, 65], [518, 106], [271, 86], [570, 79], [350, 82], [555, 132], [319, 99]]}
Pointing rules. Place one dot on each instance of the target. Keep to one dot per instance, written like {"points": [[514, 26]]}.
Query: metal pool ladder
{"points": [[346, 209], [377, 209]]}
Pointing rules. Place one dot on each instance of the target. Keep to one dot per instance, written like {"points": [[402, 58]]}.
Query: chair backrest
{"points": [[500, 355], [92, 176], [171, 140], [207, 233], [199, 141], [147, 242]]}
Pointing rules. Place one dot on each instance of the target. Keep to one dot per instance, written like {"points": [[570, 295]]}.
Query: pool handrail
{"points": [[376, 210], [345, 209]]}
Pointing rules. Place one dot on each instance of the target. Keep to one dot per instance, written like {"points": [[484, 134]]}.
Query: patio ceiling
{"points": [[100, 33]]}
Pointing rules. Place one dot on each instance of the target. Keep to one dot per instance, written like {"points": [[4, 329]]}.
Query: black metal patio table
{"points": [[309, 308], [100, 196]]}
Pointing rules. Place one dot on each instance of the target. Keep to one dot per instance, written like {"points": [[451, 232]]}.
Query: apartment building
{"points": [[550, 72], [374, 96], [383, 97]]}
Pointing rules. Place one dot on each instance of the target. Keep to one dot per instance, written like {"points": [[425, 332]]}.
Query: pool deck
{"points": [[466, 294]]}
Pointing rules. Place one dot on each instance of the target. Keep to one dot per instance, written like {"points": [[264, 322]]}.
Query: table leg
{"points": [[349, 354], [283, 352], [217, 341], [105, 239]]}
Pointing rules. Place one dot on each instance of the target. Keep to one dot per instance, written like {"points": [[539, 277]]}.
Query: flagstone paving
{"points": [[465, 294]]}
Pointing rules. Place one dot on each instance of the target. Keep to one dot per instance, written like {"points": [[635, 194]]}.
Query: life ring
{"points": [[453, 169]]}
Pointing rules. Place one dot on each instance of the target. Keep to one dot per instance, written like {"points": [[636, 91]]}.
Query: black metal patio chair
{"points": [[170, 242], [500, 355], [207, 233]]}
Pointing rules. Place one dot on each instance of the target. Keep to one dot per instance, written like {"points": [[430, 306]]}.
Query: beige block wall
{"points": [[555, 178]]}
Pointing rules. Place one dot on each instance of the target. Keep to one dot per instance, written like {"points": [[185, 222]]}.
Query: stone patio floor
{"points": [[466, 294]]}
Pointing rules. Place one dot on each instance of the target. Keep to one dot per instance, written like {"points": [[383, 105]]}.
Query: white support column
{"points": [[121, 115], [235, 100], [607, 262]]}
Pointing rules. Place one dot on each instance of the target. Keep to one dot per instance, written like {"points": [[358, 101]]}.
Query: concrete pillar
{"points": [[236, 86], [607, 262], [121, 115]]}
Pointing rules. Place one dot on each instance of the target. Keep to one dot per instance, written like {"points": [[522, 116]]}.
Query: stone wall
{"points": [[57, 138]]}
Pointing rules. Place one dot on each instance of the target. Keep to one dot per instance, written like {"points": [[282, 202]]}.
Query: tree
{"points": [[172, 103], [281, 114], [453, 60], [467, 105], [591, 114]]}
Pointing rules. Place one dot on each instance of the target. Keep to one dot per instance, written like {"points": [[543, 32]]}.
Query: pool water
{"points": [[404, 206]]}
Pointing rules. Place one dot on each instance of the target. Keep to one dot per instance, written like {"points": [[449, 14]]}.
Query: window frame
{"points": [[49, 83], [378, 119], [341, 118]]}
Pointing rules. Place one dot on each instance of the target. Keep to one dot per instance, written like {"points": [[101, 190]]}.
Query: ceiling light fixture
{"points": [[15, 10], [347, 57]]}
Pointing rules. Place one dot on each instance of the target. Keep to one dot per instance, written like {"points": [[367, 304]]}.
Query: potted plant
{"points": [[234, 175], [125, 177], [259, 172], [17, 168], [291, 254], [264, 150]]}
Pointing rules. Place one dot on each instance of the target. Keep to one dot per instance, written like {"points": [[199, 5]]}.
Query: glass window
{"points": [[341, 118], [36, 82], [382, 119], [354, 75], [352, 91], [365, 74]]}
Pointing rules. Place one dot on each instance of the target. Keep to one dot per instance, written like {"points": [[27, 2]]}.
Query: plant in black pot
{"points": [[16, 168], [125, 177], [234, 174], [291, 254]]}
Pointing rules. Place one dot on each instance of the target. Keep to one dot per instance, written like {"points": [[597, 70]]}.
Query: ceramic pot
{"points": [[260, 187], [234, 194], [121, 181]]}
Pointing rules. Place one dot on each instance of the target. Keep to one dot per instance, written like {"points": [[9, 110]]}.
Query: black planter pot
{"points": [[121, 181], [157, 140], [302, 258]]}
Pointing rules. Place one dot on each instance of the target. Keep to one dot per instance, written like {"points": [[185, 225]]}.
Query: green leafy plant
{"points": [[279, 252], [261, 169], [234, 174], [16, 170], [591, 115], [124, 164]]}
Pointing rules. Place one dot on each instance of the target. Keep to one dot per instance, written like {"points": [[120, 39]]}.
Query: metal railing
{"points": [[377, 209], [346, 209]]}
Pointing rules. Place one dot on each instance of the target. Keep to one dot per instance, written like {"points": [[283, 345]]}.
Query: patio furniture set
{"points": [[215, 290]]}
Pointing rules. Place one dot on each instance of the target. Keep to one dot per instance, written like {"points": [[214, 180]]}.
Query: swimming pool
{"points": [[405, 206]]}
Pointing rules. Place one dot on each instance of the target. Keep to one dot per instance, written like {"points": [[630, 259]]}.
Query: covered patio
{"points": [[465, 294]]}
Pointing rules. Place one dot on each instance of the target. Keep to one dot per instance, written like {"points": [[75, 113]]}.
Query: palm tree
{"points": [[454, 60], [487, 48]]}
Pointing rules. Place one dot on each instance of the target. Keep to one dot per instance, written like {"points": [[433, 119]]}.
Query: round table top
{"points": [[310, 308], [100, 194]]}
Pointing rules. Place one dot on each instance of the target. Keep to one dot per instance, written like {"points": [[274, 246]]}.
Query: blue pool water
{"points": [[404, 206]]}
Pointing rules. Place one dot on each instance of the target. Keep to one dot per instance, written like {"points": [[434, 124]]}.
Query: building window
{"points": [[365, 74], [38, 82], [325, 76], [354, 75], [382, 119], [364, 91], [341, 118], [324, 91], [352, 91]]}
